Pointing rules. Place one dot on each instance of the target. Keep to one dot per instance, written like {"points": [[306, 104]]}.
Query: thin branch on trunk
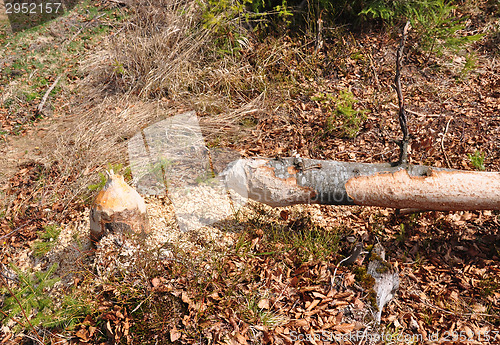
{"points": [[319, 37], [403, 156]]}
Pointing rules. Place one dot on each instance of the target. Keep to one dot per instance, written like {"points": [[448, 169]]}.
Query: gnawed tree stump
{"points": [[118, 208]]}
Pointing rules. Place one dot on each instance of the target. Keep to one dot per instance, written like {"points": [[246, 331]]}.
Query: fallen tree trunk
{"points": [[289, 181]]}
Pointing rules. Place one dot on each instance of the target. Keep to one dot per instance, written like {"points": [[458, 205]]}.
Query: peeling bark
{"points": [[289, 181]]}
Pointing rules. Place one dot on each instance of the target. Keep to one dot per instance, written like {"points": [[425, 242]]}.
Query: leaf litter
{"points": [[242, 286]]}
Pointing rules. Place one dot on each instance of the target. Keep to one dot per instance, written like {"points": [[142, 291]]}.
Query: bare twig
{"points": [[14, 231], [404, 211], [403, 157], [13, 319], [44, 99], [372, 66], [358, 248], [319, 36], [442, 143], [375, 75], [6, 338], [140, 304], [459, 314]]}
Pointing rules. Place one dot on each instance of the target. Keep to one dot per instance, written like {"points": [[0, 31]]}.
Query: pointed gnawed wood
{"points": [[117, 208]]}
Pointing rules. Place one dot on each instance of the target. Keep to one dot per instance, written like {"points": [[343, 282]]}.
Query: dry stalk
{"points": [[46, 95], [442, 143], [403, 157]]}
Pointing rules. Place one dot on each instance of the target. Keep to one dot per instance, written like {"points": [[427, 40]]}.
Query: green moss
{"points": [[488, 286], [384, 267], [343, 116], [372, 298], [361, 275], [367, 282]]}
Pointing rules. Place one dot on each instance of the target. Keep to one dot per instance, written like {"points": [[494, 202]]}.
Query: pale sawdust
{"points": [[119, 256], [75, 254]]}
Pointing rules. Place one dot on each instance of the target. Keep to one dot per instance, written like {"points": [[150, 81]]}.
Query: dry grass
{"points": [[160, 62], [166, 50], [163, 61]]}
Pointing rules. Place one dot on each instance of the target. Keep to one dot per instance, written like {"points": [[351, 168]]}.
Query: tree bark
{"points": [[289, 181]]}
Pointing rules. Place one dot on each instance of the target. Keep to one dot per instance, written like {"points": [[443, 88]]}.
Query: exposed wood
{"points": [[289, 181], [319, 36], [118, 208]]}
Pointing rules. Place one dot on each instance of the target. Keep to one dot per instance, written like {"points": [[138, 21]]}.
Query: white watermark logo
{"points": [[171, 156], [357, 336]]}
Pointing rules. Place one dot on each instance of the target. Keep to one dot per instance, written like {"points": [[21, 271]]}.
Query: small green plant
{"points": [[73, 310], [434, 21], [47, 240], [117, 168], [284, 12], [344, 117], [30, 301], [159, 168], [118, 68], [99, 185], [257, 312], [470, 65], [419, 260], [400, 237], [223, 18], [477, 160]]}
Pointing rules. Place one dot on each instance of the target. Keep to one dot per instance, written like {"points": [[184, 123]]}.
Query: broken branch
{"points": [[44, 98]]}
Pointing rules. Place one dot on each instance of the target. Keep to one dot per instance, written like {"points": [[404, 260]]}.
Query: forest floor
{"points": [[264, 275]]}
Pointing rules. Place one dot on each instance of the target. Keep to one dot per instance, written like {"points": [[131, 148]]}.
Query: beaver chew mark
{"points": [[277, 189], [440, 190], [118, 227]]}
